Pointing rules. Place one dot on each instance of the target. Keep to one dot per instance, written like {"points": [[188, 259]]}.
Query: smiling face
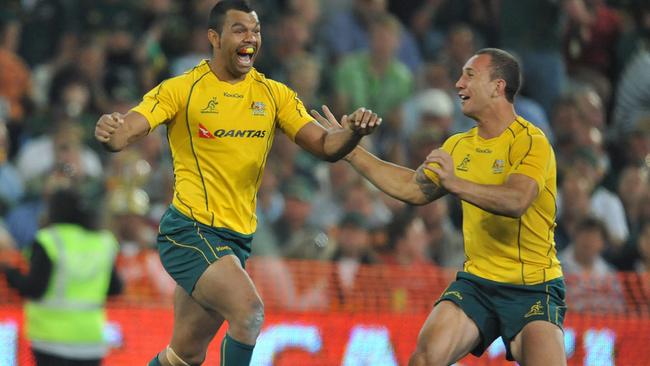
{"points": [[476, 88], [237, 46]]}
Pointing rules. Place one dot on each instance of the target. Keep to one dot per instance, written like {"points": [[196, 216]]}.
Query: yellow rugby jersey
{"points": [[499, 248], [220, 135]]}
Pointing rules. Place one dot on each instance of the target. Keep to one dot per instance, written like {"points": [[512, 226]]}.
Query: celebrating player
{"points": [[504, 172], [221, 118]]}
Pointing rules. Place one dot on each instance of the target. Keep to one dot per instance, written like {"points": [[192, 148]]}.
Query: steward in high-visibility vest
{"points": [[71, 273]]}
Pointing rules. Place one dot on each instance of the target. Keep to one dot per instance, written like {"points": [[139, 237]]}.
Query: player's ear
{"points": [[214, 38], [499, 88]]}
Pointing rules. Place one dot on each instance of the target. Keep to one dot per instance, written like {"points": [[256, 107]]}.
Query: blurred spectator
{"points": [[290, 38], [605, 205], [46, 164], [349, 31], [460, 46], [429, 109], [532, 30], [353, 241], [71, 273], [15, 78], [592, 285], [11, 183], [589, 44], [636, 143], [50, 30], [375, 79], [421, 144], [334, 181], [567, 126], [352, 249], [431, 20], [363, 199], [296, 237], [575, 206], [304, 77], [70, 97], [270, 201], [632, 95], [409, 240], [197, 49], [61, 150], [445, 240], [138, 264]]}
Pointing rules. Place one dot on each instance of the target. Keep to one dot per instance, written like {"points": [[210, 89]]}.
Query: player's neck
{"points": [[495, 120], [222, 73]]}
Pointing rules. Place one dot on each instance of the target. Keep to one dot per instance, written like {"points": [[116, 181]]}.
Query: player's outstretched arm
{"points": [[115, 131], [332, 144], [404, 184]]}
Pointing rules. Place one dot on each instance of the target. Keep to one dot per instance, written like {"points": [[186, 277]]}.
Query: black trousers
{"points": [[44, 359]]}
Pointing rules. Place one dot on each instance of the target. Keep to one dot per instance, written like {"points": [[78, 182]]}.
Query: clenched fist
{"points": [[107, 125]]}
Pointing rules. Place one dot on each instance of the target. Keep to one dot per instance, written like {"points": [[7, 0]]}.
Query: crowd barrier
{"points": [[320, 313]]}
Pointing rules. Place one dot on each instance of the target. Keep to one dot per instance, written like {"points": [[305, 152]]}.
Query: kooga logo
{"points": [[206, 134]]}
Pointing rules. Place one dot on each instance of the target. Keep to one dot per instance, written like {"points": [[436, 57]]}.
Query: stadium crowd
{"points": [[586, 84]]}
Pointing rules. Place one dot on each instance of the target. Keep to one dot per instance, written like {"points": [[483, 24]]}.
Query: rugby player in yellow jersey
{"points": [[221, 118], [504, 172]]}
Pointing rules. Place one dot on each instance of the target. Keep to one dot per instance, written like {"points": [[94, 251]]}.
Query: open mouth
{"points": [[245, 55], [463, 98]]}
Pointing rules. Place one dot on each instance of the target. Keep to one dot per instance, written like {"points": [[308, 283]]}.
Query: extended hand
{"points": [[361, 122], [440, 162], [364, 121], [107, 125]]}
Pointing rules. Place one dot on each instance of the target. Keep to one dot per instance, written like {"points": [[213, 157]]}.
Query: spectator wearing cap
{"points": [[428, 109]]}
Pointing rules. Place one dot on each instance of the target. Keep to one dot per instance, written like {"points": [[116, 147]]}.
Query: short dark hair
{"points": [[218, 12], [504, 66]]}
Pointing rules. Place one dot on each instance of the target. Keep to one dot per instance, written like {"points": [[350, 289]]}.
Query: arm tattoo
{"points": [[430, 190]]}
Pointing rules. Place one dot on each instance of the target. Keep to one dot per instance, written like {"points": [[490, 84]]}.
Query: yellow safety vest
{"points": [[69, 319]]}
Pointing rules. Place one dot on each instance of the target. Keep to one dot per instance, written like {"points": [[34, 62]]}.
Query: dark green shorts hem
{"points": [[502, 310], [188, 247]]}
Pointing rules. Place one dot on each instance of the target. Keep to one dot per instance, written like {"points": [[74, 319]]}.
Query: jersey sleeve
{"points": [[531, 156], [291, 114], [446, 146], [160, 104]]}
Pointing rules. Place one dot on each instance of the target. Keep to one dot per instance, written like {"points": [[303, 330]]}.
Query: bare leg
{"points": [[539, 343], [224, 291], [194, 328], [446, 336]]}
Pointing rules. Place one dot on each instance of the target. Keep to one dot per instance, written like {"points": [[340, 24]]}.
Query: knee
{"points": [[251, 317]]}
